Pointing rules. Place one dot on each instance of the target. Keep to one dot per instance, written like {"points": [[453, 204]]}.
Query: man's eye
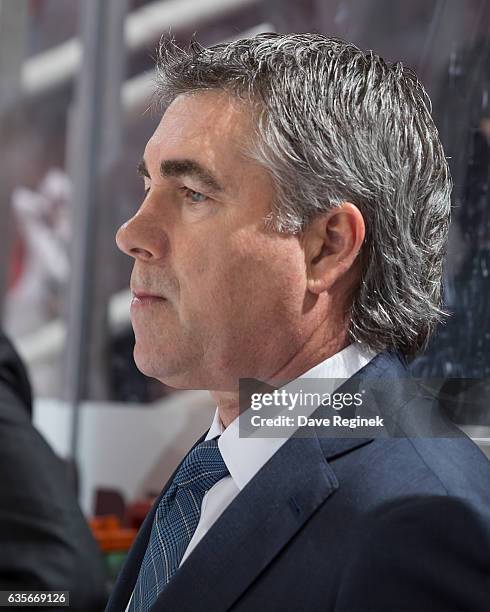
{"points": [[194, 196]]}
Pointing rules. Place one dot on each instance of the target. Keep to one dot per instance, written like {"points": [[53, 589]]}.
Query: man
{"points": [[294, 222], [45, 543]]}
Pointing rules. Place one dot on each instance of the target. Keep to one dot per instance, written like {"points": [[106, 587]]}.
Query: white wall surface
{"points": [[129, 447]]}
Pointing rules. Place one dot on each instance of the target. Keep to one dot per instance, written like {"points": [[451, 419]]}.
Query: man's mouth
{"points": [[141, 298]]}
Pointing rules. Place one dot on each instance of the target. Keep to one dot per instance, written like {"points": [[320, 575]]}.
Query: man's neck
{"points": [[307, 358]]}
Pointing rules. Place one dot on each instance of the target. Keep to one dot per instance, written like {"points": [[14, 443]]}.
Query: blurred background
{"points": [[76, 80]]}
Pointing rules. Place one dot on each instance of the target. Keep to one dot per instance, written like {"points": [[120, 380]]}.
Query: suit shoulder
{"points": [[390, 468], [458, 463], [424, 552]]}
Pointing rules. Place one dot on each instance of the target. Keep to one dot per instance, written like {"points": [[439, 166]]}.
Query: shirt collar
{"points": [[216, 428], [244, 457]]}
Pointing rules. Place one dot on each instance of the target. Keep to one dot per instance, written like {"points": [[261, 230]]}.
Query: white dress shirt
{"points": [[244, 457]]}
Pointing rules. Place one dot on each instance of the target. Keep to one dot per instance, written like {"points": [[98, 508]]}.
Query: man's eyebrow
{"points": [[189, 167], [142, 169]]}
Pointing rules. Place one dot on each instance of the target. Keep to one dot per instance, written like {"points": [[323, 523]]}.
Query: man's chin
{"points": [[166, 373], [146, 363]]}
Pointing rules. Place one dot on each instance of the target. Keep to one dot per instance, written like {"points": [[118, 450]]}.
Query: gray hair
{"points": [[337, 124]]}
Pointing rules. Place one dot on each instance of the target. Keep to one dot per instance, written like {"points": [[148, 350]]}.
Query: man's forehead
{"points": [[203, 119], [212, 130]]}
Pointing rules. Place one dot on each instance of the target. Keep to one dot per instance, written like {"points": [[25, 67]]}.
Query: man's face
{"points": [[217, 295]]}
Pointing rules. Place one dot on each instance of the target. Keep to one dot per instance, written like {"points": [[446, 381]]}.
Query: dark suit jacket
{"points": [[346, 524], [45, 543]]}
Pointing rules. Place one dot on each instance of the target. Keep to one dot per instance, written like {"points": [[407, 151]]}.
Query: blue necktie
{"points": [[176, 520]]}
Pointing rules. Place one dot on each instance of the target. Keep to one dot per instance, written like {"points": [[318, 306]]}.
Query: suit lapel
{"points": [[253, 529]]}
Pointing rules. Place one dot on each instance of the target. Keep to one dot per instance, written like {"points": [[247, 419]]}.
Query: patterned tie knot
{"points": [[202, 468]]}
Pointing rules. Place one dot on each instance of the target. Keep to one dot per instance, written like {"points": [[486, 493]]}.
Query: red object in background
{"points": [[16, 260], [136, 512], [109, 534], [111, 503]]}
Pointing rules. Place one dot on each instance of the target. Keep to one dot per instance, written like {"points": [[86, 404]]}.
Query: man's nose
{"points": [[142, 238]]}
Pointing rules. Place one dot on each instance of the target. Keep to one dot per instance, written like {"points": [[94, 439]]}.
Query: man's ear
{"points": [[332, 242]]}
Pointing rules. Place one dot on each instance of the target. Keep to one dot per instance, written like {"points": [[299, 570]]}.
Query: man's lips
{"points": [[141, 298]]}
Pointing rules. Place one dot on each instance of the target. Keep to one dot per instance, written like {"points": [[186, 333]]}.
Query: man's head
{"points": [[298, 199]]}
